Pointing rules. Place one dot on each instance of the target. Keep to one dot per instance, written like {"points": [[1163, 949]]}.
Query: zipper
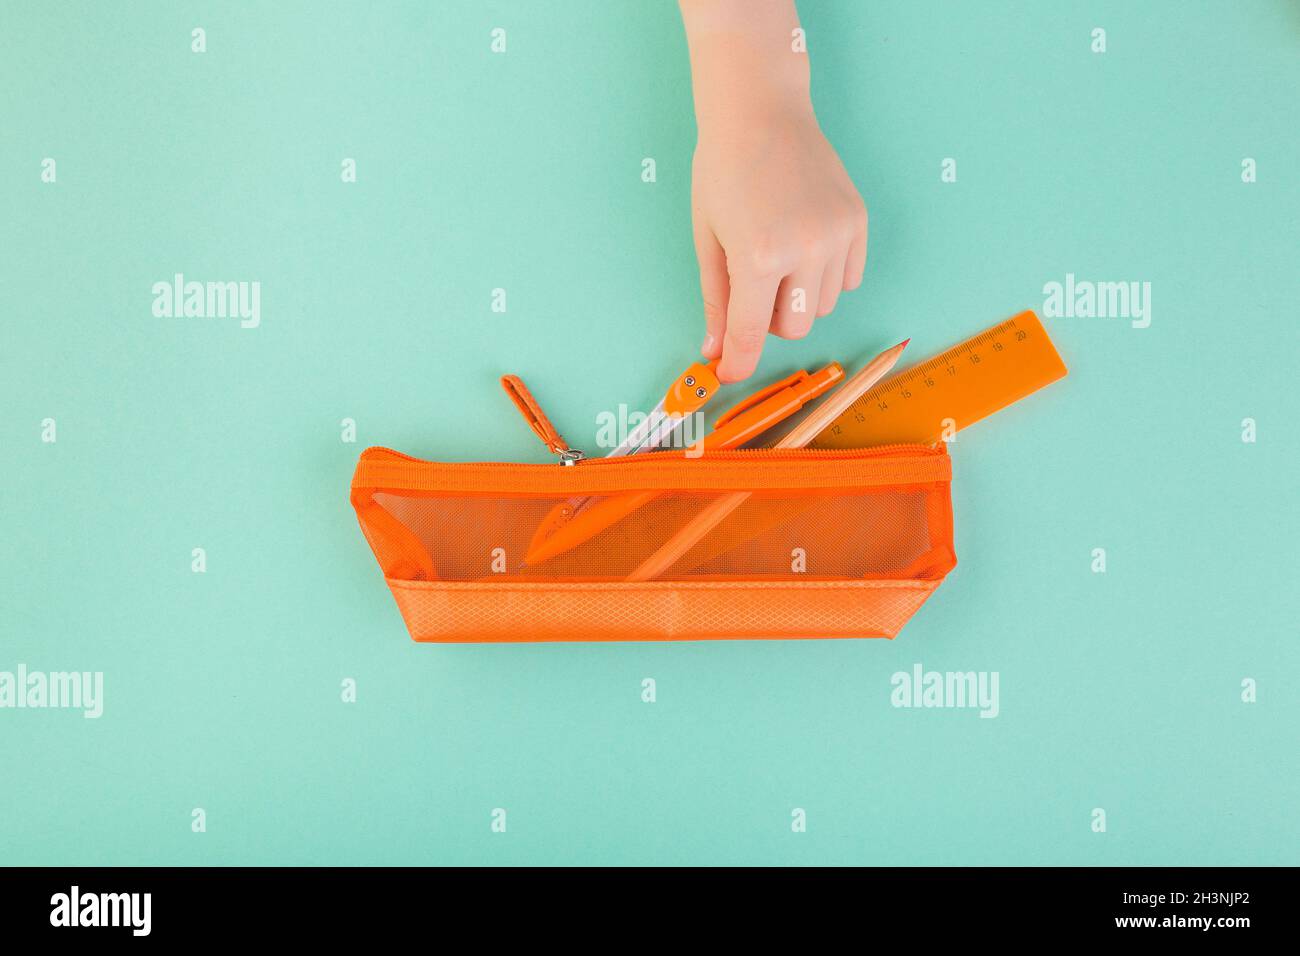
{"points": [[736, 469], [740, 454]]}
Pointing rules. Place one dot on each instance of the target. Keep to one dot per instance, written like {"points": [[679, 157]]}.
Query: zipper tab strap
{"points": [[536, 418]]}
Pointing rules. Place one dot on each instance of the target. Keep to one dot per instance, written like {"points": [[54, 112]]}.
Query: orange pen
{"points": [[753, 416]]}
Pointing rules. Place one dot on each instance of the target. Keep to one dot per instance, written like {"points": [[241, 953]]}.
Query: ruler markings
{"points": [[967, 382]]}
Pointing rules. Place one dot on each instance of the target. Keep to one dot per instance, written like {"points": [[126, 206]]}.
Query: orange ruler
{"points": [[931, 401]]}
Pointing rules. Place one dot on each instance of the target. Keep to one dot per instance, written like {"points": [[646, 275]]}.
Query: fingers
{"points": [[715, 286], [832, 282], [749, 313], [797, 279], [857, 258], [796, 303]]}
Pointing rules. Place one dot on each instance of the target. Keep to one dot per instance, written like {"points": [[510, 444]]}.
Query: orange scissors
{"points": [[567, 526]]}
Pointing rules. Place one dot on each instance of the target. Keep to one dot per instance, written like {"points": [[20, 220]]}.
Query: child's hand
{"points": [[780, 229], [779, 232]]}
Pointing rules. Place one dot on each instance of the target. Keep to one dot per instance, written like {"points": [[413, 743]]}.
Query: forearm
{"points": [[743, 66]]}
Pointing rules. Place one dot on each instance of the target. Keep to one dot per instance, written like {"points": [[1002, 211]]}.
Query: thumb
{"points": [[716, 288]]}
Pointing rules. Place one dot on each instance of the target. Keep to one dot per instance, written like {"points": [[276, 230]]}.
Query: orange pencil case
{"points": [[842, 543]]}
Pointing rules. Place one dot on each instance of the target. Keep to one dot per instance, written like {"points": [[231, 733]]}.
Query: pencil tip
{"points": [[903, 344]]}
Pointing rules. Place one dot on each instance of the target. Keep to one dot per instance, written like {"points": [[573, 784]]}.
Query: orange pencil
{"points": [[755, 415], [718, 509]]}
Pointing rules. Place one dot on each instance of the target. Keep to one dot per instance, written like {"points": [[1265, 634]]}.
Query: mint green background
{"points": [[1119, 691]]}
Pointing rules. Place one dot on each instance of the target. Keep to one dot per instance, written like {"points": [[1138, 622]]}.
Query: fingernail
{"points": [[708, 343]]}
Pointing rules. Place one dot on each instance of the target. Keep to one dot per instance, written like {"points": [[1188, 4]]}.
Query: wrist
{"points": [[737, 90], [745, 70]]}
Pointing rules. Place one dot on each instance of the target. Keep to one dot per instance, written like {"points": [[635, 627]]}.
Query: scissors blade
{"points": [[662, 433], [637, 437], [650, 434]]}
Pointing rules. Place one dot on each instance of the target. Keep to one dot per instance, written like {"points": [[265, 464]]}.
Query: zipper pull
{"points": [[538, 421]]}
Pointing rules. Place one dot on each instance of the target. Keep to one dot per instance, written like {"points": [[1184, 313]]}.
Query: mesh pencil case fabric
{"points": [[828, 544]]}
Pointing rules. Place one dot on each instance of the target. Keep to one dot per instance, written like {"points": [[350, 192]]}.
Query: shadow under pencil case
{"points": [[828, 544]]}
